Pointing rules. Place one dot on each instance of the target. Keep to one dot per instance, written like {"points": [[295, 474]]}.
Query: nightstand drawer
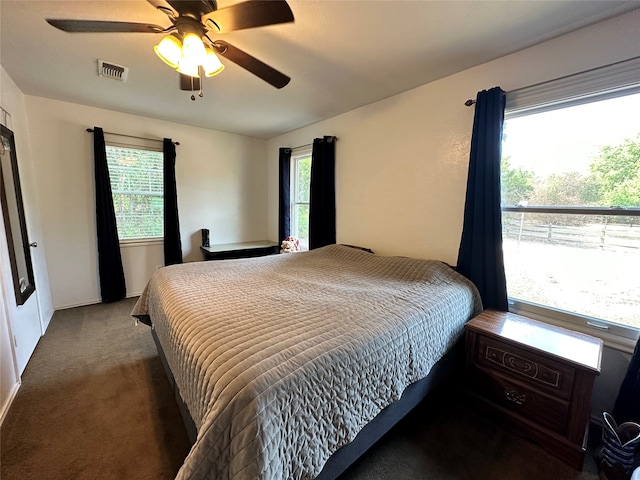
{"points": [[537, 371], [530, 404]]}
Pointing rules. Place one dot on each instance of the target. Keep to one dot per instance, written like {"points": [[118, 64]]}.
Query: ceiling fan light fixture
{"points": [[186, 39], [187, 67], [169, 50], [193, 49], [212, 65]]}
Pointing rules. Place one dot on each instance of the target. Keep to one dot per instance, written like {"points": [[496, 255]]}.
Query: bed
{"points": [[289, 366]]}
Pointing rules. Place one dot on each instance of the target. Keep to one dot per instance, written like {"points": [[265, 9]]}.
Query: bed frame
{"points": [[374, 430]]}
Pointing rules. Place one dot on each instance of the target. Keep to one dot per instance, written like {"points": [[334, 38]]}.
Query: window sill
{"points": [[141, 242], [619, 337]]}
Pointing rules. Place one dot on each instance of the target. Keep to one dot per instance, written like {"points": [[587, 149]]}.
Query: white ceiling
{"points": [[339, 54]]}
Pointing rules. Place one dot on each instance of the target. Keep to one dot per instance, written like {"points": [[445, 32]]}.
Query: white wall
{"points": [[220, 182], [401, 163]]}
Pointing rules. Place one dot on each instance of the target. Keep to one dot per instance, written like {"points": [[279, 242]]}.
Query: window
{"points": [[300, 188], [136, 185], [571, 210]]}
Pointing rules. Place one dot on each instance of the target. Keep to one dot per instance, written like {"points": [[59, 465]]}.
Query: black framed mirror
{"points": [[14, 221]]}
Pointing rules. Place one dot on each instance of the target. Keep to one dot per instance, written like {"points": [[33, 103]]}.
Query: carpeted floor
{"points": [[95, 404]]}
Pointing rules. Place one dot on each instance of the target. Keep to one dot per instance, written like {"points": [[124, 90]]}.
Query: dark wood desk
{"points": [[240, 250]]}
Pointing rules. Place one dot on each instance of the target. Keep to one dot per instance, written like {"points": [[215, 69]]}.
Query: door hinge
{"points": [[15, 341]]}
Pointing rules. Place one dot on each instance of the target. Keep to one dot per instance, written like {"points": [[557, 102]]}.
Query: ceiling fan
{"points": [[199, 19]]}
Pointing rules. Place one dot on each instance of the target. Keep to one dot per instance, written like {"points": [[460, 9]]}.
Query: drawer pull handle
{"points": [[515, 397]]}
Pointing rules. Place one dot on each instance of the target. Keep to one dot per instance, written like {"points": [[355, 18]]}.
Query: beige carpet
{"points": [[95, 404]]}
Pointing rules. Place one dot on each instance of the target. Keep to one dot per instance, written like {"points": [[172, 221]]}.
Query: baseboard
{"points": [[7, 404], [74, 305], [92, 302]]}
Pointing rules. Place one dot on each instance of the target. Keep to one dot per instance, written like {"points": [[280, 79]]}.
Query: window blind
{"points": [[136, 176], [621, 78]]}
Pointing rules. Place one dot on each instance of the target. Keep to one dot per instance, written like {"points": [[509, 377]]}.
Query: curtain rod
{"points": [[470, 102], [132, 136], [335, 139]]}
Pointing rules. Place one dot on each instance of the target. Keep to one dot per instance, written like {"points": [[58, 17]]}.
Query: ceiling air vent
{"points": [[111, 70]]}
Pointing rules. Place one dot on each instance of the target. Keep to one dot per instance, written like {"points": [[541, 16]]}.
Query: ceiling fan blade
{"points": [[164, 7], [98, 26], [252, 64], [256, 13]]}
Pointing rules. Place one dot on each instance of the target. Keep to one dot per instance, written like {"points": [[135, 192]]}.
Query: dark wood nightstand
{"points": [[240, 250], [533, 378]]}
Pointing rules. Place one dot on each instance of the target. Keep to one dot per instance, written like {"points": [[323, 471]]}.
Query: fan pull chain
{"points": [[200, 94]]}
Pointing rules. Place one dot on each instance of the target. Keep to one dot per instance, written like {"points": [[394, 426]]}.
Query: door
{"points": [[25, 324], [17, 270]]}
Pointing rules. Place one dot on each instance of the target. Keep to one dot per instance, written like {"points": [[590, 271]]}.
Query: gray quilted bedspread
{"points": [[281, 360]]}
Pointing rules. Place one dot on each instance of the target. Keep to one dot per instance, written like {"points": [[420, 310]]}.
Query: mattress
{"points": [[281, 360]]}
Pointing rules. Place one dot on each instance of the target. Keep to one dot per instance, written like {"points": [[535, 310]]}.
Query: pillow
{"points": [[358, 248]]}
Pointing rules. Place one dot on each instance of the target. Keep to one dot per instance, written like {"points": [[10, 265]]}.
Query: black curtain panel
{"points": [[480, 256], [284, 209], [110, 271], [172, 242], [322, 201], [627, 406]]}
